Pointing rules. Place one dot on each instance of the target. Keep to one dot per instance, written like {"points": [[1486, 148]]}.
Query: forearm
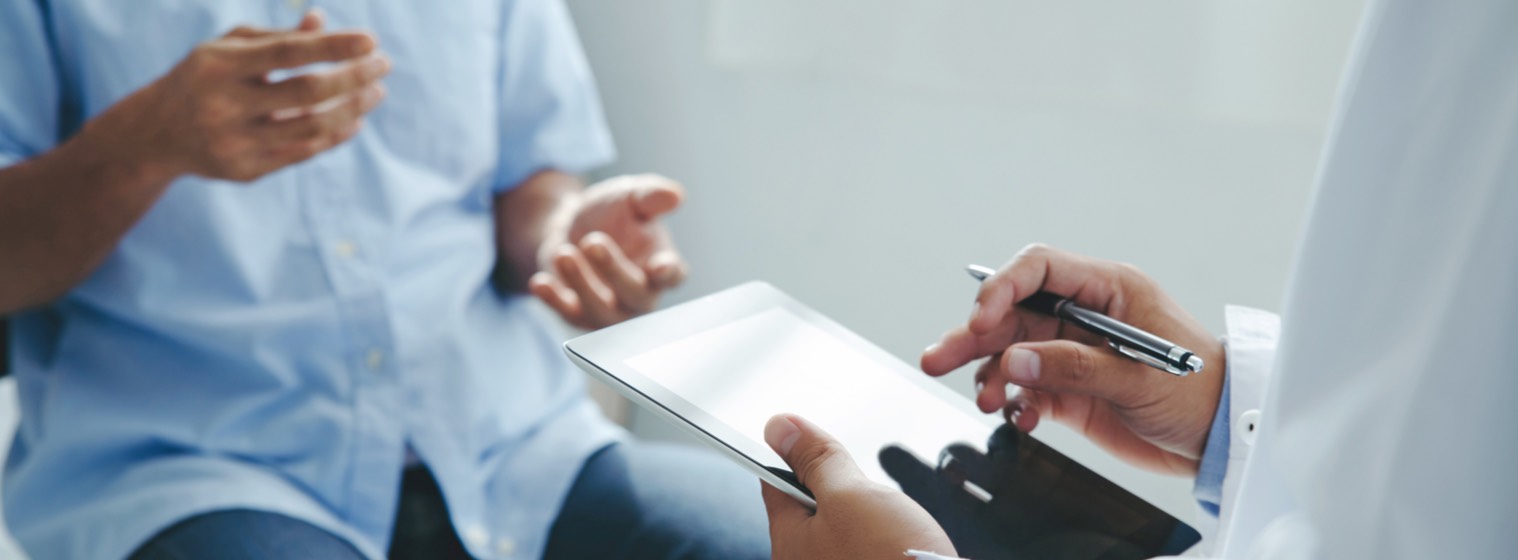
{"points": [[62, 212], [524, 218]]}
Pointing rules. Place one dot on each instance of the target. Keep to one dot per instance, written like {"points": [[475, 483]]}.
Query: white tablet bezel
{"points": [[604, 353]]}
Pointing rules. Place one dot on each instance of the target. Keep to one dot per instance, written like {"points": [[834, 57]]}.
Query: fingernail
{"points": [[781, 433], [975, 312], [980, 386], [1023, 365], [932, 348]]}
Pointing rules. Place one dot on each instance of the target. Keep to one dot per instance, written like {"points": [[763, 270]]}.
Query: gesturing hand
{"points": [[609, 257], [1146, 417], [855, 517], [217, 114]]}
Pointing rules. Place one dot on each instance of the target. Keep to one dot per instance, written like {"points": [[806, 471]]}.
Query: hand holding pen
{"points": [[1068, 373]]}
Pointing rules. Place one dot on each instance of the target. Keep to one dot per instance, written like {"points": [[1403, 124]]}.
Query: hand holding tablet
{"points": [[721, 366]]}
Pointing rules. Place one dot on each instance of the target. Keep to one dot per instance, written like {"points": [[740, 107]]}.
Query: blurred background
{"points": [[858, 153]]}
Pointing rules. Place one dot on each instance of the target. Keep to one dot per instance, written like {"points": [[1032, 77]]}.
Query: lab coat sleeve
{"points": [[1251, 340]]}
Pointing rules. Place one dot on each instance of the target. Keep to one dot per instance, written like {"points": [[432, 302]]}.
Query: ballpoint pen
{"points": [[1128, 340]]}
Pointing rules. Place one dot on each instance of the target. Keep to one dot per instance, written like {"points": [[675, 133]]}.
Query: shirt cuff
{"points": [[1208, 489]]}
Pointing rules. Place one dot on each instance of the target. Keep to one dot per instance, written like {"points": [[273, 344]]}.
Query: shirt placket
{"points": [[372, 470]]}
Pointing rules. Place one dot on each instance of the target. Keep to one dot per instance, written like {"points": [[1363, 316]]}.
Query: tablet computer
{"points": [[719, 367]]}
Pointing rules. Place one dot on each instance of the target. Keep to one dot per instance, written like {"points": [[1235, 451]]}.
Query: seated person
{"points": [[272, 282]]}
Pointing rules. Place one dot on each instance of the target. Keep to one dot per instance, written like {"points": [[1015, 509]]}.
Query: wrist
{"points": [[532, 221], [128, 142]]}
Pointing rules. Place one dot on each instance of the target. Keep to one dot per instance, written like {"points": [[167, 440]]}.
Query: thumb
{"points": [[314, 19], [1063, 366], [819, 461], [655, 196]]}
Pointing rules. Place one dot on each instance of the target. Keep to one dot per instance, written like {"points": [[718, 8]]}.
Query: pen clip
{"points": [[1146, 359]]}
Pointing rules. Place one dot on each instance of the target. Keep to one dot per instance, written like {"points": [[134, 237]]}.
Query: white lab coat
{"points": [[1376, 419], [1384, 423]]}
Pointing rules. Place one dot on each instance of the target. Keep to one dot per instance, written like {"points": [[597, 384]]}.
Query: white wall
{"points": [[858, 153]]}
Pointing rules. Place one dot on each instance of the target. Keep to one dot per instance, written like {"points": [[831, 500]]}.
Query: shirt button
{"points": [[345, 249], [506, 546], [375, 359], [476, 536], [1249, 425]]}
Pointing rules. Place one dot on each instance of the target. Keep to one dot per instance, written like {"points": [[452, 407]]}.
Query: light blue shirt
{"points": [[277, 345]]}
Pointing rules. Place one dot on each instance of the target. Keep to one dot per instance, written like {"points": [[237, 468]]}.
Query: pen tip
{"points": [[979, 272]]}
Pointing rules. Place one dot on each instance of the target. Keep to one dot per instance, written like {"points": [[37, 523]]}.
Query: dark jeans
{"points": [[629, 501]]}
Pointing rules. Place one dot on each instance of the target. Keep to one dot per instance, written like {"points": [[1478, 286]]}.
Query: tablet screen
{"points": [[772, 362]]}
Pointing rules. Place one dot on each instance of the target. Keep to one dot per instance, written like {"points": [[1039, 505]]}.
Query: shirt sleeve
{"points": [[29, 87], [1208, 489], [551, 116]]}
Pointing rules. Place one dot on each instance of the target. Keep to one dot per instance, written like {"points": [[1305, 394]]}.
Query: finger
{"points": [[260, 55], [785, 513], [1024, 410], [1041, 268], [1062, 366], [990, 386], [627, 281], [597, 302], [311, 126], [299, 139], [556, 295], [666, 270], [819, 461], [655, 196], [310, 90], [959, 346], [251, 31]]}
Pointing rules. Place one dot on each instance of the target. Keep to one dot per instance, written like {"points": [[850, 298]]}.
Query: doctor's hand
{"points": [[217, 114], [608, 256], [855, 518], [1144, 416]]}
